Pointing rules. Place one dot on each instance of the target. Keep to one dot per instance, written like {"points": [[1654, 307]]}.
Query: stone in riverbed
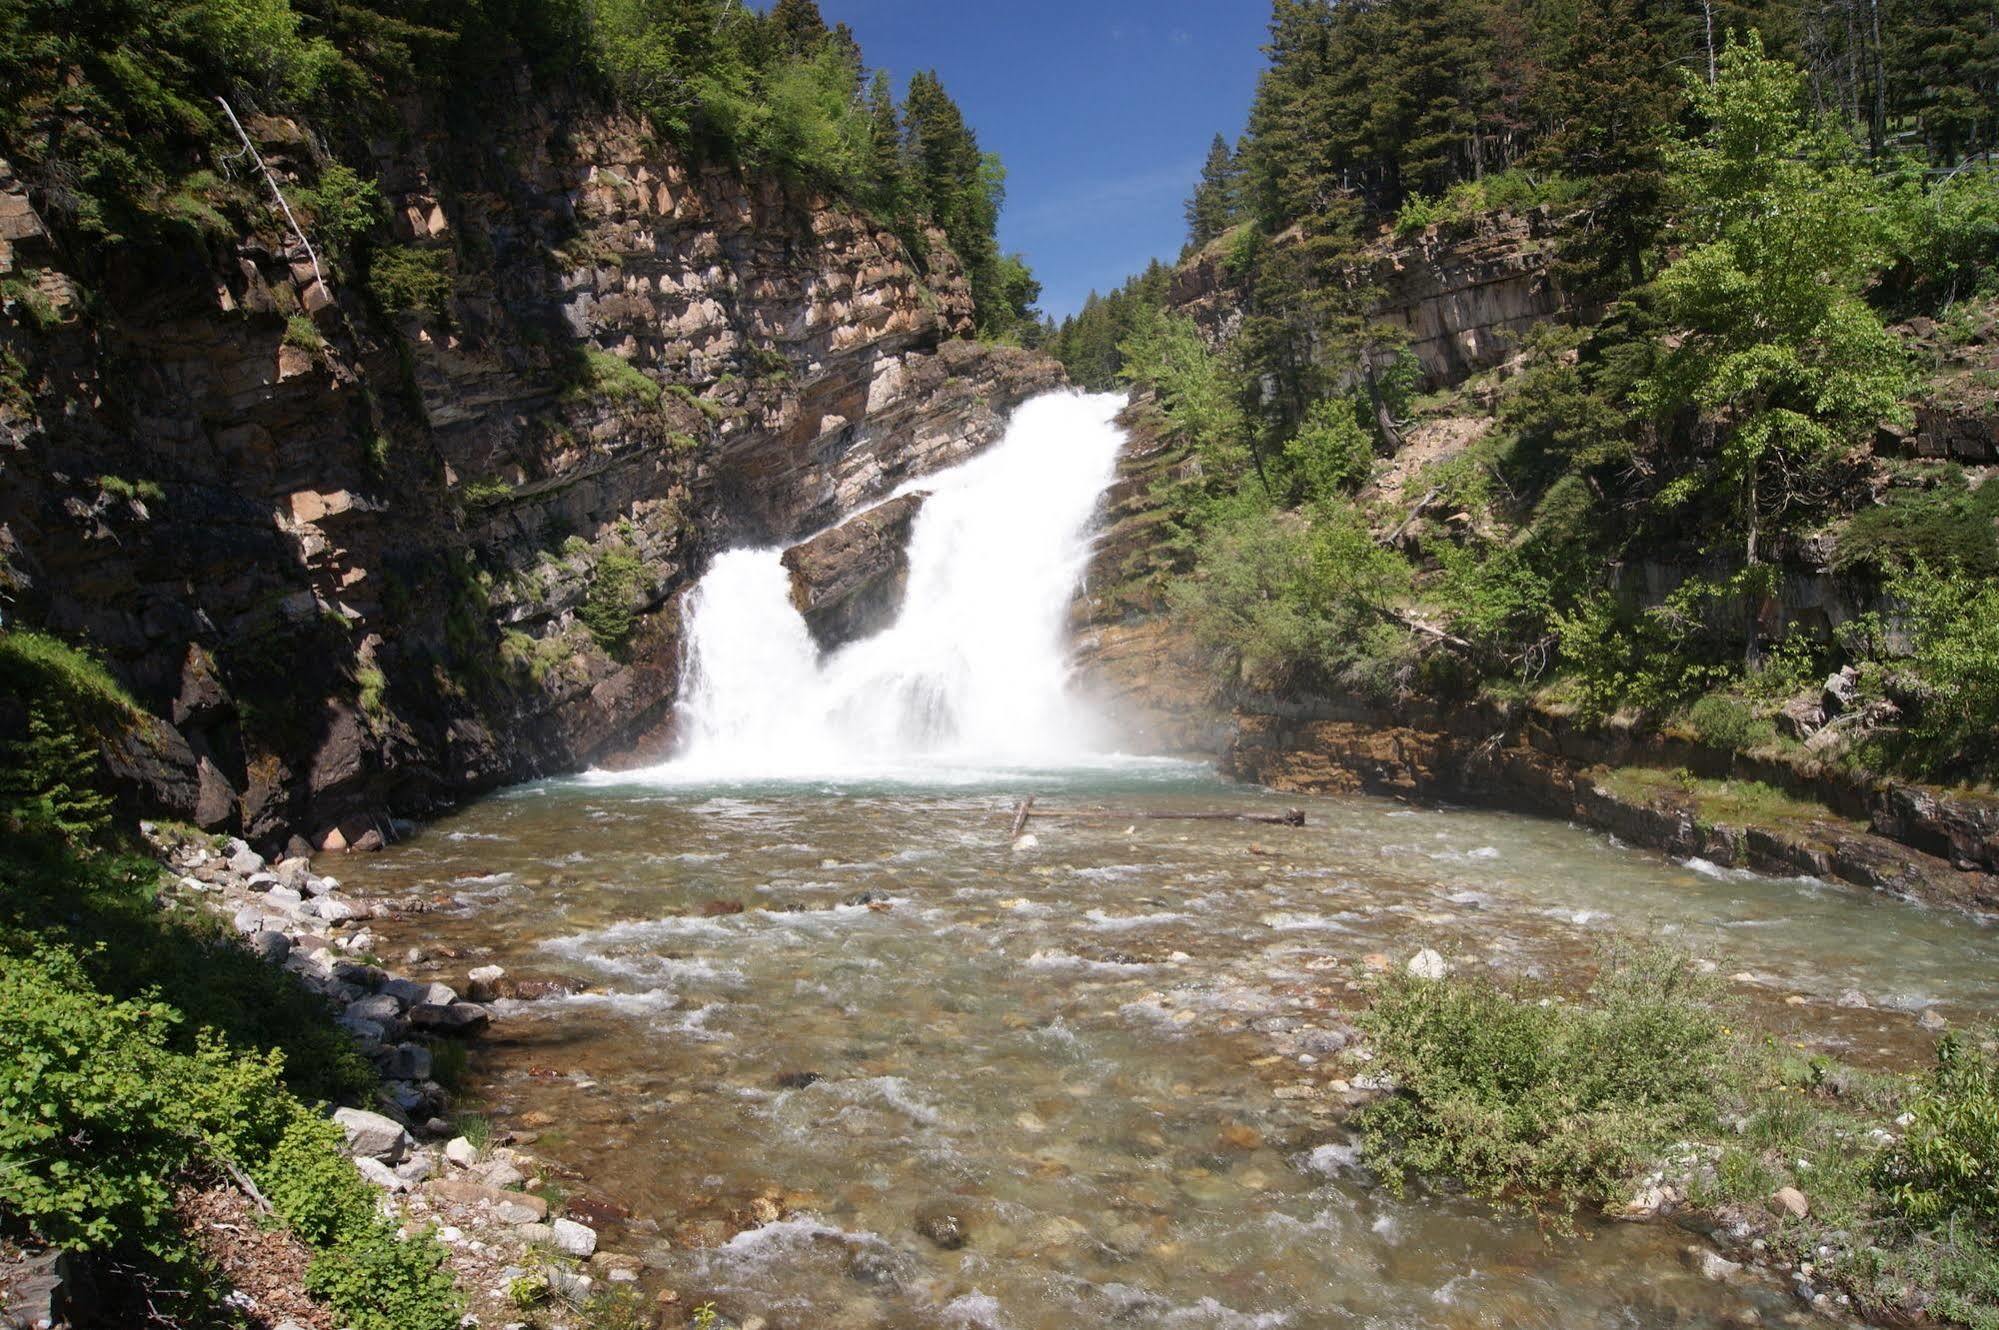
{"points": [[407, 1062], [372, 1136], [380, 1008], [579, 1240], [943, 1225], [458, 1018], [461, 1152], [716, 909], [411, 993], [243, 861], [464, 1191]]}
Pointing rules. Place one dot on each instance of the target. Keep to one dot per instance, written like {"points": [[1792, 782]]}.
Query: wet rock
{"points": [[1931, 1019], [372, 1136], [1712, 1265], [1789, 1201], [1427, 964], [872, 1268], [716, 909], [944, 1225], [1323, 1043], [1853, 998], [798, 1080], [578, 1240], [480, 984], [411, 993], [848, 582], [1241, 1136], [456, 1019]]}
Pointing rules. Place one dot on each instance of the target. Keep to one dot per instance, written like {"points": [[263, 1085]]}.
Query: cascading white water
{"points": [[972, 675]]}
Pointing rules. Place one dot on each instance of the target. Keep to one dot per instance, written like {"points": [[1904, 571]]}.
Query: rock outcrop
{"points": [[848, 582], [367, 545], [1463, 293]]}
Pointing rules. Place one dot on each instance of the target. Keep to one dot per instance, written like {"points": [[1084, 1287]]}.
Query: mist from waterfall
{"points": [[972, 677]]}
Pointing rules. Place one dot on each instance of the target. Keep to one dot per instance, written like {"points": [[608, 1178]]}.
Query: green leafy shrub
{"points": [[379, 1282], [601, 374], [1947, 1163], [407, 280], [607, 607], [1953, 623], [1332, 452], [1946, 525], [1494, 597], [303, 333], [1729, 723], [341, 206], [1279, 599], [1526, 1101]]}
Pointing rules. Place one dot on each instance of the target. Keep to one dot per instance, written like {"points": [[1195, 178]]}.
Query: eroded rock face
{"points": [[848, 582], [360, 563], [1462, 293]]}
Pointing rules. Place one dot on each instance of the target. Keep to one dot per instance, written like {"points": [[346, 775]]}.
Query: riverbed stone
{"points": [[407, 1062], [412, 993], [461, 1152], [457, 1018], [944, 1225], [243, 861], [1789, 1201], [464, 1191], [380, 1174], [372, 1136], [579, 1240]]}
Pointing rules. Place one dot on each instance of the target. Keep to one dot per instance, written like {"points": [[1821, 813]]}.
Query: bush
{"points": [[1526, 1100], [1728, 723], [607, 607], [1953, 623], [1332, 453], [1279, 599], [601, 374], [405, 280], [1947, 1164], [1494, 598]]}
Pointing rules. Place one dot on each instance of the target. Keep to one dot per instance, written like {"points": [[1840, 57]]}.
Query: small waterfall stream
{"points": [[971, 678]]}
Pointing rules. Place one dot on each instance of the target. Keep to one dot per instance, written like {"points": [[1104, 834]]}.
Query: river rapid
{"points": [[845, 1053]]}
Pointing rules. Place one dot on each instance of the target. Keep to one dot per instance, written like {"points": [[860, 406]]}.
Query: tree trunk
{"points": [[1383, 420], [1752, 649]]}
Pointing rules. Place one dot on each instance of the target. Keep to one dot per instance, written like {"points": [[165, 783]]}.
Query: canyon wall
{"points": [[362, 547]]}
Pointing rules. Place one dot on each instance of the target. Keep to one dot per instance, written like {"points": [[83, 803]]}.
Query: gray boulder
{"points": [[372, 1136]]}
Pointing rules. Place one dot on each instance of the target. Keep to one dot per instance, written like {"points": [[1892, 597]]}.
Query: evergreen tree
{"points": [[1213, 207], [796, 25], [1611, 100]]}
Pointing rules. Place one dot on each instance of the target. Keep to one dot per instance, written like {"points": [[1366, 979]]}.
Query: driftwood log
{"points": [[1024, 811]]}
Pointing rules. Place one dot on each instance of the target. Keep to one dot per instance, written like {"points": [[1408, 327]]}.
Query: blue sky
{"points": [[1102, 109]]}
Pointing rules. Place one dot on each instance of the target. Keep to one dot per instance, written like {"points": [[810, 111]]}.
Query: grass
{"points": [[30, 661], [601, 375], [1735, 803], [1535, 1102]]}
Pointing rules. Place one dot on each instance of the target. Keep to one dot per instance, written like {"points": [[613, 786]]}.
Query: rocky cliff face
{"points": [[1461, 293], [364, 551]]}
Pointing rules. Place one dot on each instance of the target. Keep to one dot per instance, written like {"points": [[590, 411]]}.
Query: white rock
{"points": [[381, 1174], [503, 1175], [372, 1136], [245, 861], [334, 910], [487, 974], [1427, 964], [577, 1239], [414, 1169], [461, 1152]]}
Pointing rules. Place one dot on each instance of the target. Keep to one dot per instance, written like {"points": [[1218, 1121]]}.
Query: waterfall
{"points": [[973, 674]]}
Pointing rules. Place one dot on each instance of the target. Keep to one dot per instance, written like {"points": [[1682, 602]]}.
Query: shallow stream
{"points": [[1112, 1054]]}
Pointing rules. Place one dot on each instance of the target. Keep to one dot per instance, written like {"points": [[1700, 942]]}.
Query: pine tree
{"points": [[796, 25], [1212, 209], [1611, 100], [885, 142]]}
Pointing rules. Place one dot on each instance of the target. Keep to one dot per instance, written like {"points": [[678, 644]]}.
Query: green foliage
{"points": [[371, 687], [1332, 453], [1166, 353], [381, 1283], [601, 374], [1728, 723], [607, 607], [1528, 1102], [1947, 1163], [53, 780], [486, 491], [1953, 624], [340, 207], [1280, 600], [1514, 191], [1944, 524], [407, 280], [303, 333], [1494, 598]]}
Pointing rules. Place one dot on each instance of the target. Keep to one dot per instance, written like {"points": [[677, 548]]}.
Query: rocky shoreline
{"points": [[514, 1243]]}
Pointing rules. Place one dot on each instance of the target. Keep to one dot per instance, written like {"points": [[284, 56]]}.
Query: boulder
{"points": [[456, 1018], [413, 994], [244, 861], [848, 582], [464, 1191], [1427, 964], [270, 946], [372, 1136], [1789, 1201], [379, 1173], [578, 1240], [407, 1062], [944, 1225], [461, 1152]]}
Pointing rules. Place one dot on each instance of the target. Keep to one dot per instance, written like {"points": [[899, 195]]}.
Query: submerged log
{"points": [[1025, 810]]}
